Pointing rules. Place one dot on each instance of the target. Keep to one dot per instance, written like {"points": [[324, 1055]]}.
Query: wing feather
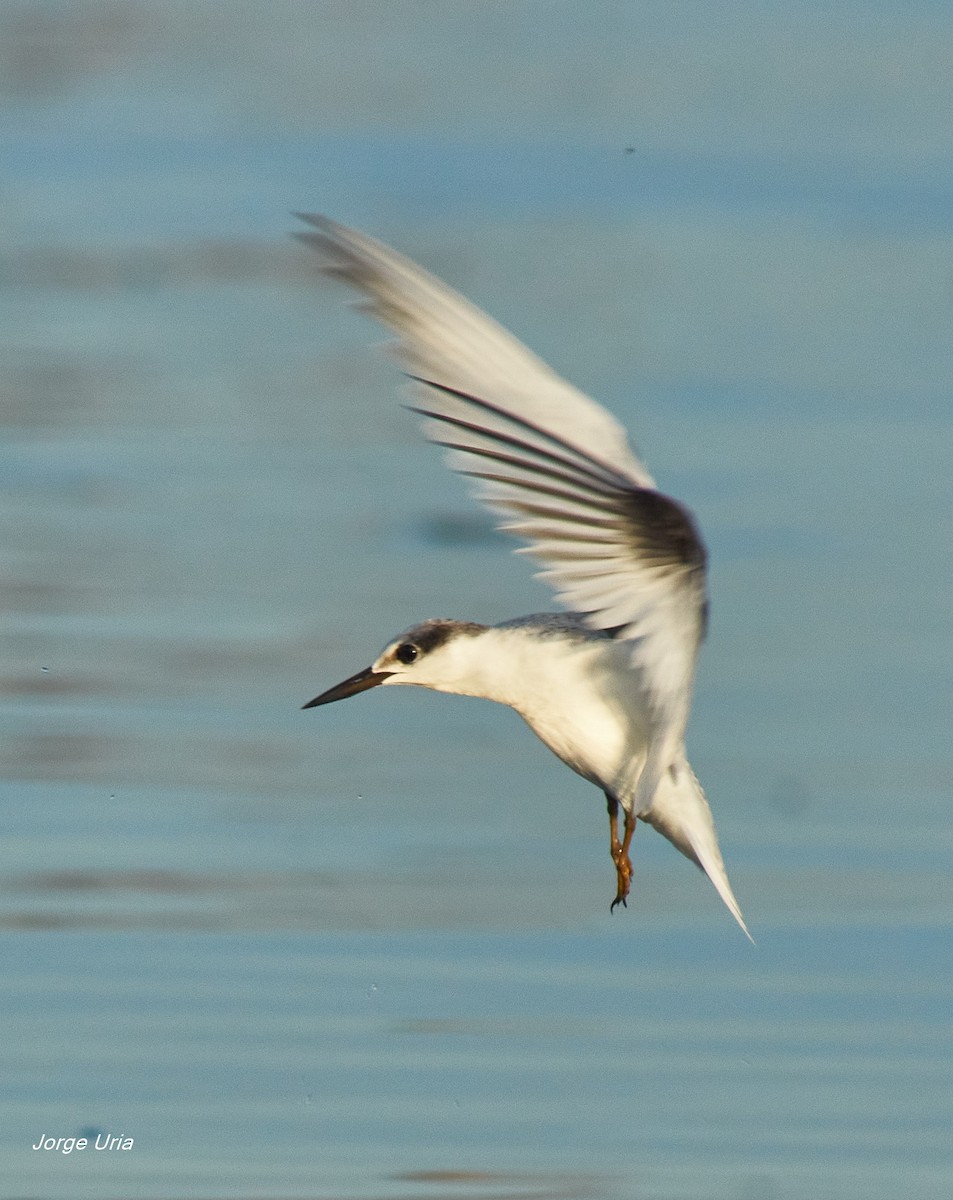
{"points": [[554, 462], [444, 337]]}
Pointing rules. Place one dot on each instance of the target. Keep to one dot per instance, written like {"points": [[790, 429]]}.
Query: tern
{"points": [[607, 685]]}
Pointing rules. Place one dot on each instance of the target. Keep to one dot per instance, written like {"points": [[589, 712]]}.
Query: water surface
{"points": [[366, 951]]}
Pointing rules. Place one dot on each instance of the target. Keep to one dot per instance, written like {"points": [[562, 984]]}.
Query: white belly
{"points": [[578, 693], [587, 711]]}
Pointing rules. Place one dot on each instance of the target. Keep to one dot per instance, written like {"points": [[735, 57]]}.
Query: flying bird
{"points": [[606, 685]]}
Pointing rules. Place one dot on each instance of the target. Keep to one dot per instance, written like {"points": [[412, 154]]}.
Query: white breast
{"points": [[581, 698]]}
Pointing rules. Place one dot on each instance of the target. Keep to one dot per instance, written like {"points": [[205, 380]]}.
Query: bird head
{"points": [[432, 654]]}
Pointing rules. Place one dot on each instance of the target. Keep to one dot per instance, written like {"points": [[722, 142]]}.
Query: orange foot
{"points": [[623, 870], [620, 851]]}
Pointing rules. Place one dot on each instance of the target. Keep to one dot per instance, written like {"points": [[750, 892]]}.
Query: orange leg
{"points": [[620, 850]]}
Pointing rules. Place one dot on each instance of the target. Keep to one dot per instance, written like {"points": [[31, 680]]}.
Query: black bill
{"points": [[360, 682]]}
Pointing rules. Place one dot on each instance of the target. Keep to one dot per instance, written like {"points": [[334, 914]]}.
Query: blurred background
{"points": [[366, 951]]}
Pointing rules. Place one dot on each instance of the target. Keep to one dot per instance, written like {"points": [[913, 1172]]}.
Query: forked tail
{"points": [[680, 812]]}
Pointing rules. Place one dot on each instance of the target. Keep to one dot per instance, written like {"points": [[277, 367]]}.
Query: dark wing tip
{"points": [[662, 530], [316, 220]]}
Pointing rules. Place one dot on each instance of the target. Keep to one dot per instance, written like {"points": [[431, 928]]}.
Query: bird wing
{"points": [[553, 461], [443, 337]]}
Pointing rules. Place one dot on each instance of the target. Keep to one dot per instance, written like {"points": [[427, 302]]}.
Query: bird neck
{"points": [[508, 665], [478, 665]]}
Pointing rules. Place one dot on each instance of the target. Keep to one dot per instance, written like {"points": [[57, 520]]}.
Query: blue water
{"points": [[366, 951], [566, 1064]]}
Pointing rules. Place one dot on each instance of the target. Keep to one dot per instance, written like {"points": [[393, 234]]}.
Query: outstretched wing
{"points": [[445, 338], [553, 461]]}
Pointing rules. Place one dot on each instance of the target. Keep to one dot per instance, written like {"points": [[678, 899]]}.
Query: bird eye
{"points": [[407, 653]]}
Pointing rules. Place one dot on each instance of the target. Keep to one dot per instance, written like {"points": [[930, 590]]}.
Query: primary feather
{"points": [[559, 468], [612, 546]]}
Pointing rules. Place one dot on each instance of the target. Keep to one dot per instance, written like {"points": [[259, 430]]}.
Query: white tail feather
{"points": [[680, 812]]}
